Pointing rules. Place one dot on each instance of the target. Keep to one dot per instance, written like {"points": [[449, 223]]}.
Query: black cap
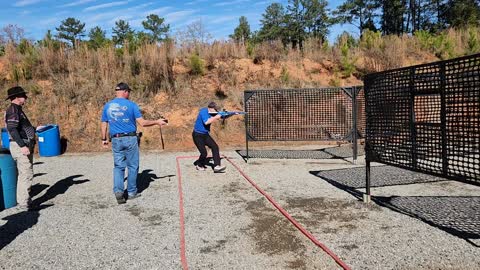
{"points": [[16, 91], [122, 86], [214, 105]]}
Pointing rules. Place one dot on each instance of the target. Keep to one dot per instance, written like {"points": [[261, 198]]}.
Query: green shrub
{"points": [[425, 39], [347, 38], [284, 76], [371, 39], [2, 50], [24, 47], [250, 49], [473, 45], [325, 46], [443, 47], [135, 66], [16, 73], [335, 81], [197, 65], [346, 61]]}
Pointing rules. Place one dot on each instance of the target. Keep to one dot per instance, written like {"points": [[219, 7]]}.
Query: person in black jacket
{"points": [[22, 141]]}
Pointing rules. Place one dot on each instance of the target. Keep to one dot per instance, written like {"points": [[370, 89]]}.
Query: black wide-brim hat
{"points": [[15, 92]]}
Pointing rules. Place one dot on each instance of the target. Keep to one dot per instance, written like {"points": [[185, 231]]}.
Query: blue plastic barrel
{"points": [[5, 139], [8, 180], [49, 141]]}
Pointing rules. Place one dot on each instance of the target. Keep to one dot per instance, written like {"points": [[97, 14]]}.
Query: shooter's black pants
{"points": [[202, 140]]}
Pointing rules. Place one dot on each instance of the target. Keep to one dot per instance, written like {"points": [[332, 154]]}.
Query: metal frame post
{"points": [[413, 128], [354, 124], [443, 119], [367, 195], [245, 100]]}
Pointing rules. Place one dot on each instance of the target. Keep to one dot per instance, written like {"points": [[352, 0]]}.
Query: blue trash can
{"points": [[8, 180], [49, 141], [5, 139]]}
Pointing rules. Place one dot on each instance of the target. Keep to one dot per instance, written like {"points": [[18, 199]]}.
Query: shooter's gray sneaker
{"points": [[219, 168]]}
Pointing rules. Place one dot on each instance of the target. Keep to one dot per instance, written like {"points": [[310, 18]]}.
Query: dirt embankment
{"points": [[224, 81]]}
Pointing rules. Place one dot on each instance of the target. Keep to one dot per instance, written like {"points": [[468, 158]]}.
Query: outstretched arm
{"points": [[148, 123]]}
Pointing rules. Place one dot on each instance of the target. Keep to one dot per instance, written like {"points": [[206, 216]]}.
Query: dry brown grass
{"points": [[69, 87]]}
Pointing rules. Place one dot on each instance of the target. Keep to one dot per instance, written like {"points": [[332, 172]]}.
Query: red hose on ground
{"points": [[269, 198], [183, 257], [290, 218]]}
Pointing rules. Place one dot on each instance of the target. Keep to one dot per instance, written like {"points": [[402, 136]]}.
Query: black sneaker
{"points": [[120, 198], [131, 197]]}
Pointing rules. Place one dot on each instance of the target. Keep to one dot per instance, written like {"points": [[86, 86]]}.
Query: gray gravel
{"points": [[230, 225]]}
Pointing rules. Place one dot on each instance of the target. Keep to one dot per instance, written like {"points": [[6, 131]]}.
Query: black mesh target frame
{"points": [[318, 114], [426, 118]]}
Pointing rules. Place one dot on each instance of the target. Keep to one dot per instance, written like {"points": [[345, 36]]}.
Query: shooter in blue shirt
{"points": [[201, 137]]}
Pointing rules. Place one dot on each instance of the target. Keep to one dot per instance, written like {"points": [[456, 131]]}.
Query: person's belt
{"points": [[118, 135], [26, 141]]}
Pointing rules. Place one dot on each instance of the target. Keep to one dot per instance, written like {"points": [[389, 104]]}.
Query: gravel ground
{"points": [[419, 224]]}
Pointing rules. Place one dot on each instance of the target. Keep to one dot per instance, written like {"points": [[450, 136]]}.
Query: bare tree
{"points": [[11, 34], [194, 33]]}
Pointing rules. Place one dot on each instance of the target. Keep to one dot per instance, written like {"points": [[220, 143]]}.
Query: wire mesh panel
{"points": [[360, 101], [300, 115], [426, 118]]}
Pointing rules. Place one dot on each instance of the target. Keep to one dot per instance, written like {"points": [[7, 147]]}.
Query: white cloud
{"points": [[106, 5], [25, 12], [25, 3], [49, 22], [107, 19], [229, 3], [195, 2], [259, 3], [223, 19], [77, 3], [178, 15], [126, 18], [157, 11]]}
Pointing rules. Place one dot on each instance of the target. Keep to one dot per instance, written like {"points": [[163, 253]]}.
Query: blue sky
{"points": [[220, 17]]}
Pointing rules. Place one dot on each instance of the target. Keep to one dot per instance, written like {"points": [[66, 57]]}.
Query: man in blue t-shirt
{"points": [[120, 116], [201, 137]]}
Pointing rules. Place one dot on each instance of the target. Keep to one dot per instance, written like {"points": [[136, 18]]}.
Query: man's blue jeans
{"points": [[125, 155]]}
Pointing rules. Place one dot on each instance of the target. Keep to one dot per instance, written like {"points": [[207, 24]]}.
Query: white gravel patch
{"points": [[228, 223]]}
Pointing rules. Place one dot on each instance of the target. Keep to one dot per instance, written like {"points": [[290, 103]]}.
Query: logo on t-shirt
{"points": [[115, 111]]}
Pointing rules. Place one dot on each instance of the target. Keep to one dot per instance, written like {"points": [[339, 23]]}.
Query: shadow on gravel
{"points": [[339, 152], [58, 188], [38, 174], [459, 215], [17, 224], [146, 177], [37, 189], [38, 163]]}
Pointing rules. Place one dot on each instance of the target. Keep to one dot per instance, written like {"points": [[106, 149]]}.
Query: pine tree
{"points": [[393, 20], [157, 27], [97, 38], [295, 29], [317, 20], [461, 13], [306, 18], [242, 32], [122, 32], [71, 30], [273, 23], [360, 13]]}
